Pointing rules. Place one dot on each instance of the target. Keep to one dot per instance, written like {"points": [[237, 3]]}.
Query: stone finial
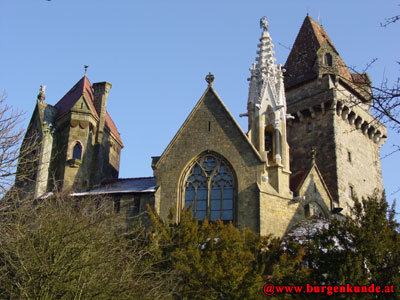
{"points": [[86, 67], [264, 23], [210, 78], [42, 95], [313, 155]]}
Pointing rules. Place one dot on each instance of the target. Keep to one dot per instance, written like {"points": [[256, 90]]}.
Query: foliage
{"points": [[62, 248], [212, 260], [363, 249]]}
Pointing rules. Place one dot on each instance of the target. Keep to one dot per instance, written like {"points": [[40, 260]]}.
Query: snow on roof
{"points": [[123, 185], [305, 231], [307, 228]]}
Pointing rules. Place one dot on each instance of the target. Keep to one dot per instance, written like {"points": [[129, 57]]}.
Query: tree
{"points": [[63, 248], [362, 250], [386, 96], [212, 260], [10, 139]]}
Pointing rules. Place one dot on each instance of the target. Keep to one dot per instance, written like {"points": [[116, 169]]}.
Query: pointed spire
{"points": [[265, 59], [265, 72]]}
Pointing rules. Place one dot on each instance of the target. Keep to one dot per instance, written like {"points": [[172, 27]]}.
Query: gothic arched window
{"points": [[77, 151], [269, 142], [209, 189]]}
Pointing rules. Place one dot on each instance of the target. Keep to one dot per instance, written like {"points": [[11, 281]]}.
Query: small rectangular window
{"points": [[307, 210], [117, 205], [309, 127], [349, 156], [351, 189], [136, 205]]}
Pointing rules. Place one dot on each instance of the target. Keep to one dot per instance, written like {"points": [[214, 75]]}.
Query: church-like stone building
{"points": [[311, 145]]}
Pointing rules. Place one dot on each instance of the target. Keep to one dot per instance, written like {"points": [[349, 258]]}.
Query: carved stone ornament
{"points": [[74, 123], [210, 78], [83, 124], [42, 94], [74, 162], [264, 23]]}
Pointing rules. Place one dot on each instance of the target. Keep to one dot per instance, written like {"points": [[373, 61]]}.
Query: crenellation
{"points": [[352, 117]]}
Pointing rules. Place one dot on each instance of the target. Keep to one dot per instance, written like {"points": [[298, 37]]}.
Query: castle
{"points": [[311, 145]]}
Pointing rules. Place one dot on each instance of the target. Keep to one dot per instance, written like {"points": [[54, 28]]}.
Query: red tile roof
{"points": [[300, 62], [296, 179], [360, 78], [84, 87], [112, 127]]}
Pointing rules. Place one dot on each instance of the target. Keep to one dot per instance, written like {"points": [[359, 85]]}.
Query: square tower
{"points": [[331, 110]]}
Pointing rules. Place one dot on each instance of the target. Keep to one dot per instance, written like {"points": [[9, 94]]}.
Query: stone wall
{"points": [[346, 136], [357, 152]]}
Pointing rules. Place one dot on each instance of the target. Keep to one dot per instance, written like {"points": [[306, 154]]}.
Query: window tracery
{"points": [[209, 189]]}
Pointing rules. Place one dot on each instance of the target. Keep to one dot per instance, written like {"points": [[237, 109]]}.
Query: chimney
{"points": [[101, 90]]}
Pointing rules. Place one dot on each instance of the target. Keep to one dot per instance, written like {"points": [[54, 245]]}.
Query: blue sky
{"points": [[156, 54]]}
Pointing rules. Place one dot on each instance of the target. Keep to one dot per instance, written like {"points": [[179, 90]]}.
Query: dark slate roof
{"points": [[84, 87], [300, 62], [124, 185]]}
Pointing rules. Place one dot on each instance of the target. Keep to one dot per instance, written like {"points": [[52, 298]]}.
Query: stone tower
{"points": [[331, 109], [77, 143]]}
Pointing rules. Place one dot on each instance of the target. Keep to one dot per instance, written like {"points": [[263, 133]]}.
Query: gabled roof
{"points": [[300, 62], [84, 88], [297, 180], [209, 91]]}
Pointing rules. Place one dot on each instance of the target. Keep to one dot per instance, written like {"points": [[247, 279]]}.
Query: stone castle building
{"points": [[311, 145]]}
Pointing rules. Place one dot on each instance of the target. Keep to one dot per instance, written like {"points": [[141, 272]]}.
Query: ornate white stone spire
{"points": [[266, 80], [266, 105]]}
